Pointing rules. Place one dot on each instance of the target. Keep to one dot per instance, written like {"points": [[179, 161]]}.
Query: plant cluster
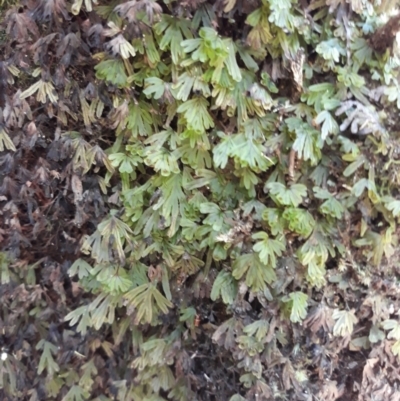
{"points": [[199, 200]]}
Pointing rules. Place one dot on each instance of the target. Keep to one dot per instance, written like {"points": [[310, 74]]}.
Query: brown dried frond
{"points": [[51, 10], [40, 48], [16, 110], [7, 164], [9, 187], [95, 36], [129, 9], [31, 135], [320, 317], [3, 83], [20, 26], [384, 37], [68, 48], [191, 4], [331, 391]]}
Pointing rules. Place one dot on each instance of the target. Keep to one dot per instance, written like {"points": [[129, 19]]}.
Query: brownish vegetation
{"points": [[199, 200]]}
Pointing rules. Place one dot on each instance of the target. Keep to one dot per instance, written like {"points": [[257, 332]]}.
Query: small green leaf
{"points": [[299, 221], [154, 87], [394, 327], [393, 205], [81, 268], [329, 124], [268, 248], [376, 335], [298, 304], [47, 361], [112, 71], [331, 49], [5, 141], [188, 315], [275, 220], [396, 348], [258, 329], [291, 196], [196, 114], [331, 206], [257, 273], [148, 301], [345, 321], [225, 287], [76, 393]]}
